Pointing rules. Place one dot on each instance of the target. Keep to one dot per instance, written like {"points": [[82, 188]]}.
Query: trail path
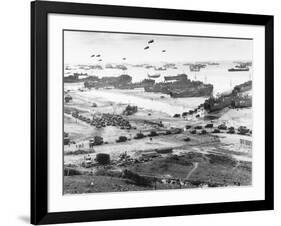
{"points": [[191, 171]]}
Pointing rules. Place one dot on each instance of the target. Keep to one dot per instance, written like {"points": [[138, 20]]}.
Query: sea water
{"points": [[217, 75]]}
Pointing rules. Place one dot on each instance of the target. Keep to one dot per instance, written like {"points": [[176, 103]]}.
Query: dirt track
{"points": [[191, 171]]}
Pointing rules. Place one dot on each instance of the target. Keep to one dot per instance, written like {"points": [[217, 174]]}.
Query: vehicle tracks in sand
{"points": [[191, 171]]}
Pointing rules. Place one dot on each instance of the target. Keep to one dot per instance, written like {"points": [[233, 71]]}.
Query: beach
{"points": [[153, 108]]}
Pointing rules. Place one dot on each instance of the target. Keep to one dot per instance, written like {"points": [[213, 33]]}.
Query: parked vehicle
{"points": [[243, 130], [121, 139], [216, 131], [193, 131], [222, 127], [231, 130]]}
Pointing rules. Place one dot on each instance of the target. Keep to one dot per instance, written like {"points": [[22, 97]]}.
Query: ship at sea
{"points": [[180, 86], [154, 76], [196, 67], [74, 78], [238, 97], [240, 67], [213, 63], [160, 69], [177, 77]]}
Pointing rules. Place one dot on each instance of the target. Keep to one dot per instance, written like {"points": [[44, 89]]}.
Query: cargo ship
{"points": [[177, 77], [199, 91], [160, 69], [236, 98], [180, 86], [74, 78], [238, 69], [154, 76], [196, 67]]}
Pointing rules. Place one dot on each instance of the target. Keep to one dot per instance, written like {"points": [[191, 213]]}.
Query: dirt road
{"points": [[191, 171]]}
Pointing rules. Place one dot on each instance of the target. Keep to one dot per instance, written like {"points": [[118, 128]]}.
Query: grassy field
{"points": [[212, 169], [90, 184]]}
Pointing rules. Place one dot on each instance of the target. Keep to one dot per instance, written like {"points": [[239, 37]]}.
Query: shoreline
{"points": [[149, 101], [142, 154]]}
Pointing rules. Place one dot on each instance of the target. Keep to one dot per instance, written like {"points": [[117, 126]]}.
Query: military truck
{"points": [[97, 140]]}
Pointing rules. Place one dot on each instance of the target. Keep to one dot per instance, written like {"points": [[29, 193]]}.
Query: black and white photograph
{"points": [[147, 112], [156, 112]]}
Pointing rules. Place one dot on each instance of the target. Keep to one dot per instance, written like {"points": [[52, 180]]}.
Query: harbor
{"points": [[150, 112], [160, 128]]}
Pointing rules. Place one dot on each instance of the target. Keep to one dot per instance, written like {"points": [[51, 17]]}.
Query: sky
{"points": [[79, 46]]}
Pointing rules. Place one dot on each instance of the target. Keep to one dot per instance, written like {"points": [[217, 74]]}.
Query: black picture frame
{"points": [[39, 112]]}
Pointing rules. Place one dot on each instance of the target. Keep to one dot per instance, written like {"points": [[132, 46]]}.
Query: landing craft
{"points": [[154, 76], [150, 41], [98, 55], [163, 51], [93, 55], [124, 58], [147, 47]]}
